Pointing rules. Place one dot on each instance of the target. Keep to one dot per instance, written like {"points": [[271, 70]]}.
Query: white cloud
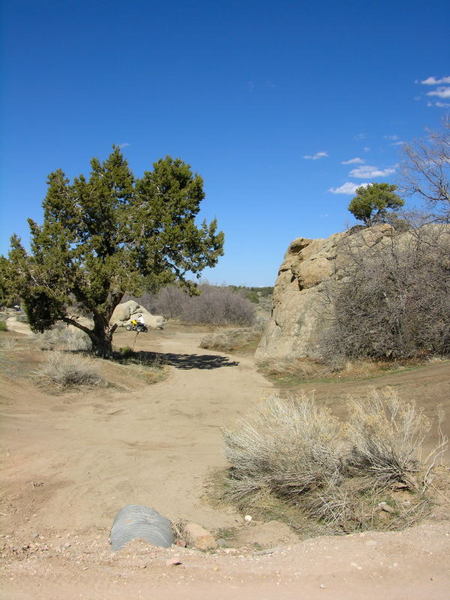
{"points": [[370, 171], [434, 81], [441, 92], [359, 136], [393, 138], [347, 188], [316, 156], [439, 104], [399, 143], [353, 161], [366, 149], [124, 145]]}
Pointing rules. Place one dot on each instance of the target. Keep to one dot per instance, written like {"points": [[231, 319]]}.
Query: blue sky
{"points": [[266, 100]]}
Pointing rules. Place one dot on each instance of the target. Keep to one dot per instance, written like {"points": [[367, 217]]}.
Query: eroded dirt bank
{"points": [[71, 461]]}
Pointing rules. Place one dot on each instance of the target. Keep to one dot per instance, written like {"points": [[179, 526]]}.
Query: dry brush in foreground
{"points": [[64, 370], [294, 459]]}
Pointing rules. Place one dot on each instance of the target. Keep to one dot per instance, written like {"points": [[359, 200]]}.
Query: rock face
{"points": [[298, 309], [126, 311]]}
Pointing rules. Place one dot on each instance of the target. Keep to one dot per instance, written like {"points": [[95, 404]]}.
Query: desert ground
{"points": [[71, 460]]}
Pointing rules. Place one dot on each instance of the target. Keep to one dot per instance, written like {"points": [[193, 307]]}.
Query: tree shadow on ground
{"points": [[179, 361]]}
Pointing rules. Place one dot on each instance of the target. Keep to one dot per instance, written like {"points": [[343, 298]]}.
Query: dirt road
{"points": [[71, 461]]}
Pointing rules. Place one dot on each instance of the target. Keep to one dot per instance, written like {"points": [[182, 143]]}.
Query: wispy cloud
{"points": [[441, 92], [347, 188], [439, 104], [366, 149], [353, 161], [359, 136], [399, 143], [124, 145], [393, 138], [371, 171], [316, 156], [434, 81]]}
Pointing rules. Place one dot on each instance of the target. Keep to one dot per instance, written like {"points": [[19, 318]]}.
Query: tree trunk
{"points": [[101, 337]]}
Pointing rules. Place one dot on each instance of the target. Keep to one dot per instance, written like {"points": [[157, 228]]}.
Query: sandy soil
{"points": [[71, 461]]}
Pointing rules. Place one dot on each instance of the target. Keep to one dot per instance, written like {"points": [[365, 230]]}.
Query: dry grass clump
{"points": [[62, 337], [289, 446], [229, 340], [343, 477], [67, 370], [387, 437], [292, 370]]}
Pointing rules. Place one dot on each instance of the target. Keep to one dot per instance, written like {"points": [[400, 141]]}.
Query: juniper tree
{"points": [[372, 202], [109, 234]]}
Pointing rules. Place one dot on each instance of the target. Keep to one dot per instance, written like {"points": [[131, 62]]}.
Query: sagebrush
{"points": [[68, 370], [344, 475]]}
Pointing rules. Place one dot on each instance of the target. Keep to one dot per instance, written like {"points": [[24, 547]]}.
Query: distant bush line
{"points": [[215, 305]]}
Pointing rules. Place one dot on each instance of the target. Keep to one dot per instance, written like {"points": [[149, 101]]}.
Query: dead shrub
{"points": [[67, 370], [392, 302]]}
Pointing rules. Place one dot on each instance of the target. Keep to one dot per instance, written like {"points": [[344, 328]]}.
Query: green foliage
{"points": [[371, 203], [110, 234], [6, 283], [254, 294], [3, 326]]}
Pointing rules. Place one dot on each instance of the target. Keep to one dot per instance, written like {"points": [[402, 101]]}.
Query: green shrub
{"points": [[3, 326]]}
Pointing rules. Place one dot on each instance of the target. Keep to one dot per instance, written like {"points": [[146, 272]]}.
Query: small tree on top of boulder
{"points": [[110, 234], [372, 202]]}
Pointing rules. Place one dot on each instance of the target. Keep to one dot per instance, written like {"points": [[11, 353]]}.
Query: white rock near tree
{"points": [[126, 311]]}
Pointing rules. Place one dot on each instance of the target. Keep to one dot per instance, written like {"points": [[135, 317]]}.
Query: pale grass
{"points": [[62, 337], [67, 370], [289, 446], [387, 437]]}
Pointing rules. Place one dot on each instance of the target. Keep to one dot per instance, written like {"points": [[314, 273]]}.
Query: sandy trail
{"points": [[70, 462]]}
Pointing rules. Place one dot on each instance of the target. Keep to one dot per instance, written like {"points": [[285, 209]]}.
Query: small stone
{"points": [[199, 537], [386, 507], [173, 562], [322, 586], [248, 518]]}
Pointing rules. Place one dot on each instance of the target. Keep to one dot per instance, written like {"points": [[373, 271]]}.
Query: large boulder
{"points": [[299, 306], [124, 312]]}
